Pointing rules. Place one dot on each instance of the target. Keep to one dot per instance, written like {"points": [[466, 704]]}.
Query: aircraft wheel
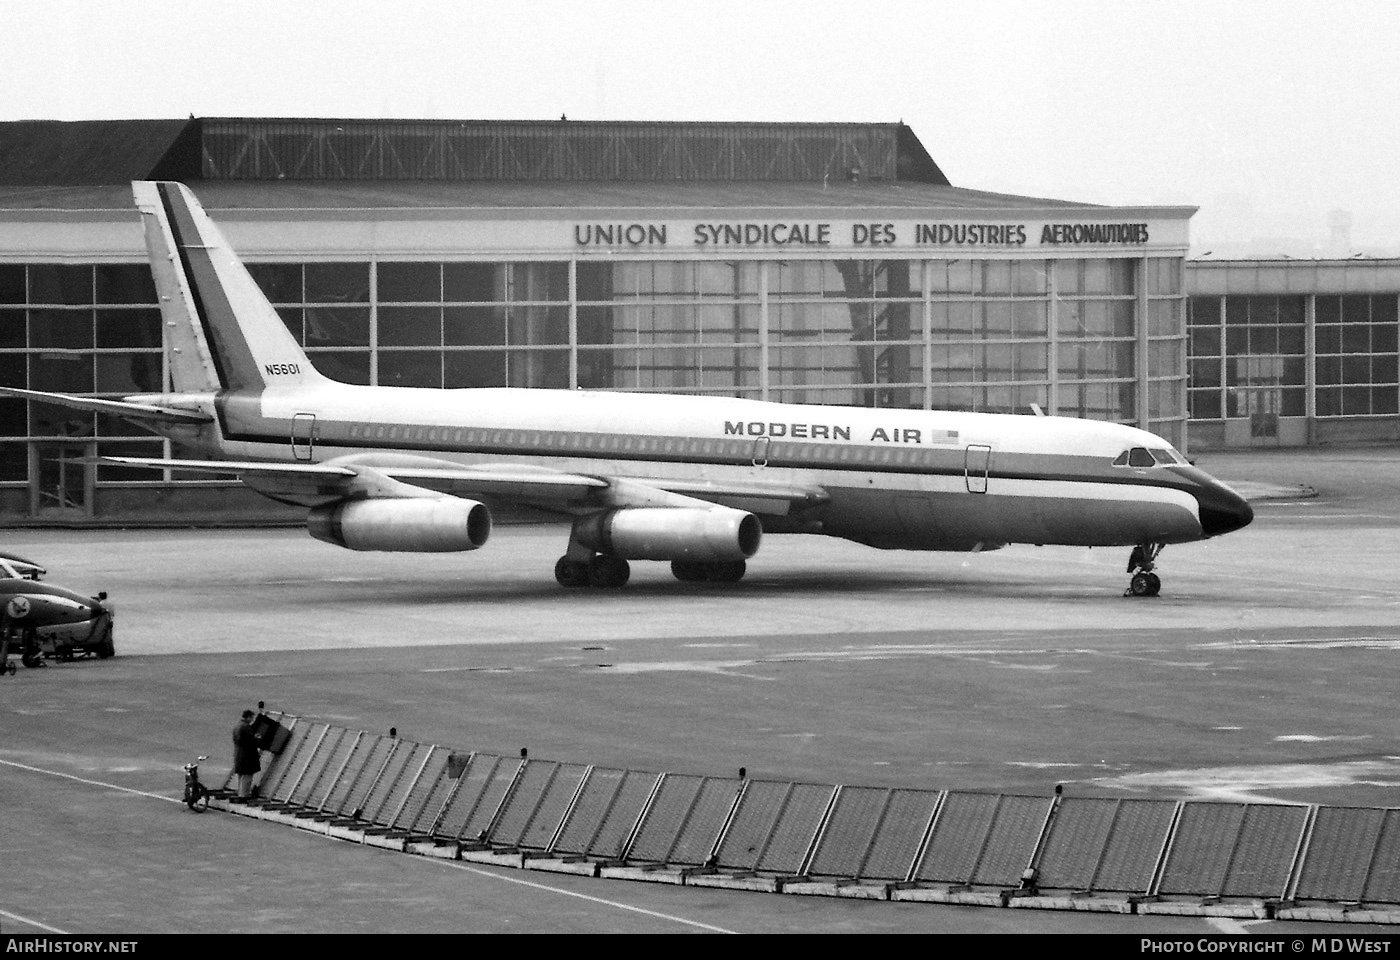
{"points": [[726, 571], [608, 571], [31, 659], [7, 667], [1154, 585], [106, 651], [1141, 585], [688, 570], [571, 573]]}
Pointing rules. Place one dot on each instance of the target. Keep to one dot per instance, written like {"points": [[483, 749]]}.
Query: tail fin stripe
{"points": [[183, 250]]}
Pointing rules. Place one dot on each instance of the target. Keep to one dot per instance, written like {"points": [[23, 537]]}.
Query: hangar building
{"points": [[817, 263], [1293, 352]]}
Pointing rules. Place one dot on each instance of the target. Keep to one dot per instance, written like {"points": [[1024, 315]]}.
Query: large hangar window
{"points": [[1283, 364], [670, 326], [846, 332], [1265, 360], [1164, 280], [1269, 379], [326, 306], [473, 324], [1248, 359], [989, 335], [1205, 384], [1357, 364], [1095, 309], [427, 324], [979, 335], [80, 328]]}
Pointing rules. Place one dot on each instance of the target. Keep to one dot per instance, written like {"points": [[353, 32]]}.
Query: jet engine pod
{"points": [[426, 525], [671, 533]]}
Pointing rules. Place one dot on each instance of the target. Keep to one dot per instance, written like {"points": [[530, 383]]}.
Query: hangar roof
{"points": [[112, 152], [385, 169], [36, 152], [418, 197]]}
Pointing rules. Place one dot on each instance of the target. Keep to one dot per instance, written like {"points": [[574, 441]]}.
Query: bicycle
{"points": [[196, 794]]}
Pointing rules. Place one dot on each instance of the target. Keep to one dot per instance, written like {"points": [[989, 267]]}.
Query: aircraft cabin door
{"points": [[303, 435], [760, 452], [978, 462]]}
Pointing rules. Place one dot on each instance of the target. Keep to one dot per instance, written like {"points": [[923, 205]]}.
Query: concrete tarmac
{"points": [[1264, 671]]}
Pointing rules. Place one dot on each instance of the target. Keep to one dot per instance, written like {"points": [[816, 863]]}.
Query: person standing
{"points": [[245, 754]]}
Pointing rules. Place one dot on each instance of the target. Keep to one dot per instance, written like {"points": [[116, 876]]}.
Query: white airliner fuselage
{"points": [[694, 480], [892, 478]]}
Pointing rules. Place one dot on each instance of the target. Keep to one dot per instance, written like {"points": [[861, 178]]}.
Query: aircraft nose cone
{"points": [[1222, 510]]}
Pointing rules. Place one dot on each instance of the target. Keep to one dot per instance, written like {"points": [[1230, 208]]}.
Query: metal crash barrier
{"points": [[1128, 855]]}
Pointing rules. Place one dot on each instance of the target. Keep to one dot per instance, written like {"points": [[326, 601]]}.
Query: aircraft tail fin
{"points": [[221, 332]]}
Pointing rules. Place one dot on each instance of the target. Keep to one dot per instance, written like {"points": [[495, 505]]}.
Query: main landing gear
{"points": [[604, 570], [601, 570], [715, 571], [1141, 563]]}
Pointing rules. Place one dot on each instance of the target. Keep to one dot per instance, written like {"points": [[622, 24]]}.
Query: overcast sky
{"points": [[1267, 115]]}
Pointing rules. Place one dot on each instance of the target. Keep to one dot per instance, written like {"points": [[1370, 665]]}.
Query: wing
{"points": [[374, 475], [311, 484]]}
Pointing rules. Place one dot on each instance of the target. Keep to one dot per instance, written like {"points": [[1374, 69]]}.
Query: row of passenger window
{"points": [[526, 442]]}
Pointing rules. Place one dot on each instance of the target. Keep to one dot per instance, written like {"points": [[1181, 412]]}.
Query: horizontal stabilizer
{"points": [[119, 408]]}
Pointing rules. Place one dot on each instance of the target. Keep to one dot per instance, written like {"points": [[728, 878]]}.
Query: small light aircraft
{"points": [[47, 620], [696, 481]]}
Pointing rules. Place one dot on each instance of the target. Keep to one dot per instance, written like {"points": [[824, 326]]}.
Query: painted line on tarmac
{"points": [[1317, 643], [33, 923], [581, 896], [92, 783], [457, 866], [1349, 516]]}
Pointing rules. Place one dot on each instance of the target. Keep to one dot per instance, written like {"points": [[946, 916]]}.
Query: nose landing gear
{"points": [[1141, 562]]}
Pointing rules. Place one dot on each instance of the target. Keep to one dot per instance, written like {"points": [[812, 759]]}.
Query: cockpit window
{"points": [[1145, 457]]}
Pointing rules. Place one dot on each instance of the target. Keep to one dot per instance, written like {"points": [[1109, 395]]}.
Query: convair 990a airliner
{"points": [[696, 481]]}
